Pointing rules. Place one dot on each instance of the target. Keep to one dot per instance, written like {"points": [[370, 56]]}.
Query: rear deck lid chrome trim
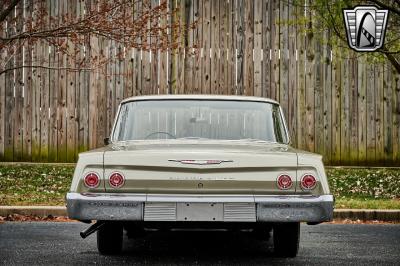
{"points": [[200, 161]]}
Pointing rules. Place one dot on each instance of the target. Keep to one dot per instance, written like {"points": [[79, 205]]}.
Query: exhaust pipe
{"points": [[93, 228]]}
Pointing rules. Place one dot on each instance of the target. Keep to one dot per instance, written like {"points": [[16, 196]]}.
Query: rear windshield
{"points": [[199, 119]]}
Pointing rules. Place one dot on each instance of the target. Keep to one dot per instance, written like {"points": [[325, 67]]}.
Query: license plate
{"points": [[200, 211]]}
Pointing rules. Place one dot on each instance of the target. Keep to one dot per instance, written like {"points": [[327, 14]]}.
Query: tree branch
{"points": [[383, 5], [335, 29], [8, 10], [393, 60], [46, 67]]}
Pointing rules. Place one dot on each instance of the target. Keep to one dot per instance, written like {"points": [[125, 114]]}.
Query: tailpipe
{"points": [[93, 228]]}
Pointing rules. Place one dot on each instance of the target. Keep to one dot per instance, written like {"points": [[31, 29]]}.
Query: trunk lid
{"points": [[201, 167]]}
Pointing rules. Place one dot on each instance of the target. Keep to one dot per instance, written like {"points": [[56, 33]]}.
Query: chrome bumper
{"points": [[226, 208]]}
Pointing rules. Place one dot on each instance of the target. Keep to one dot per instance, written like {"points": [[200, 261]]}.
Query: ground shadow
{"points": [[197, 246]]}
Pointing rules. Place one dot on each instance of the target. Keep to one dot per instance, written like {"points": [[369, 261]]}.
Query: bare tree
{"points": [[112, 20]]}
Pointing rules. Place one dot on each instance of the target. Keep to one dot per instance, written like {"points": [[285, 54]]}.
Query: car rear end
{"points": [[193, 181]]}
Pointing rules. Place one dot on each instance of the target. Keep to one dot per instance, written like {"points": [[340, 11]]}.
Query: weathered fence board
{"points": [[336, 106], [9, 101], [257, 55], [388, 114], [266, 46], [283, 96], [62, 95], [214, 39], [310, 64], [361, 112], [396, 118], [336, 102], [318, 93], [371, 121], [353, 147], [83, 92], [326, 87], [239, 42], [206, 48], [3, 54], [189, 54], [292, 75], [18, 86], [248, 67], [275, 52], [53, 92], [345, 107], [379, 105], [222, 49]]}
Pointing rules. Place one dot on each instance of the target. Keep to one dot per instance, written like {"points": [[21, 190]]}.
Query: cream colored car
{"points": [[198, 161]]}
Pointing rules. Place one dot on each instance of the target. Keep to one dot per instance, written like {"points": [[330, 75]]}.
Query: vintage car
{"points": [[199, 161]]}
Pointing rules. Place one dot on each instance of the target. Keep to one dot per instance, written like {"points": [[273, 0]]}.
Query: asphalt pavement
{"points": [[33, 243]]}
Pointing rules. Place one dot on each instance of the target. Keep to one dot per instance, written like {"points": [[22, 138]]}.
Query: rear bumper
{"points": [[225, 208]]}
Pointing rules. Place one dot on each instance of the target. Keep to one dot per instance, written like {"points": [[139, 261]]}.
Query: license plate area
{"points": [[190, 211]]}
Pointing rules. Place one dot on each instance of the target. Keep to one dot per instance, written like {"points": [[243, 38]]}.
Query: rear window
{"points": [[200, 119]]}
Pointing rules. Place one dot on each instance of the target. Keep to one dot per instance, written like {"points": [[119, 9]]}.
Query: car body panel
{"points": [[250, 168]]}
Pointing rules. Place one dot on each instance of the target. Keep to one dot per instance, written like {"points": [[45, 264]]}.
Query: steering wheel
{"points": [[160, 132]]}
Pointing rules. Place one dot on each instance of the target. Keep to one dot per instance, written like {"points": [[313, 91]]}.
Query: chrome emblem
{"points": [[365, 27], [200, 162]]}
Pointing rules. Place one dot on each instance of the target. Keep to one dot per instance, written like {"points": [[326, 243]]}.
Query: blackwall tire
{"points": [[109, 238], [286, 239]]}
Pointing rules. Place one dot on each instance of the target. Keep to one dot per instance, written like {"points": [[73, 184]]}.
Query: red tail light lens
{"points": [[284, 182], [308, 182], [117, 180], [92, 180]]}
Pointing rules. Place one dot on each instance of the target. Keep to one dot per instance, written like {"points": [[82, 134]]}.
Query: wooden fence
{"points": [[336, 103]]}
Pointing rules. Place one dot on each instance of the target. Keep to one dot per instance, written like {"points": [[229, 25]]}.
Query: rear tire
{"points": [[262, 232], [286, 239], [109, 238], [135, 231]]}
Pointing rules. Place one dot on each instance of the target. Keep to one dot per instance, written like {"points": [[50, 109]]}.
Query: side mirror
{"points": [[106, 141]]}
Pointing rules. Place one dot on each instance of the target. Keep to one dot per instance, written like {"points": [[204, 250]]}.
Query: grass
{"points": [[365, 188], [367, 203], [372, 183], [47, 184], [34, 184]]}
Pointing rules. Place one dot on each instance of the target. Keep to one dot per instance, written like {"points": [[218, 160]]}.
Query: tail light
{"points": [[308, 182], [92, 180], [116, 180], [284, 182]]}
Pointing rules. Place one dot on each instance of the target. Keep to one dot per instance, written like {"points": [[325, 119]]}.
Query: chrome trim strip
{"points": [[197, 97], [200, 161], [293, 198], [285, 125], [199, 198], [204, 97], [112, 138]]}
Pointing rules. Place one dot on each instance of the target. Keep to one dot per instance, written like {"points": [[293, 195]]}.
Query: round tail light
{"points": [[284, 182], [117, 180], [92, 180], [308, 182]]}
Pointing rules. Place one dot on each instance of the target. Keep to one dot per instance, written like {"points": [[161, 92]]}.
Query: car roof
{"points": [[199, 97]]}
